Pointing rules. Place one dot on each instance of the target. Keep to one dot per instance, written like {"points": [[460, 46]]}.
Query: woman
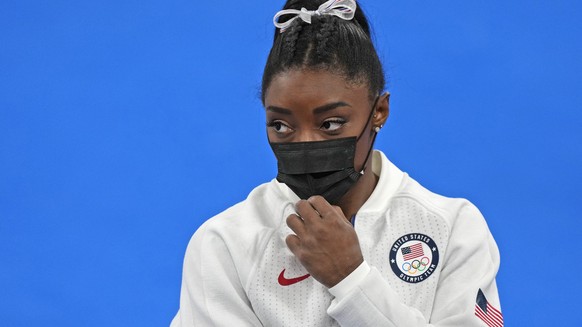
{"points": [[342, 236]]}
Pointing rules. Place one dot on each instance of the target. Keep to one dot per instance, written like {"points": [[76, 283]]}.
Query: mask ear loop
{"points": [[373, 137]]}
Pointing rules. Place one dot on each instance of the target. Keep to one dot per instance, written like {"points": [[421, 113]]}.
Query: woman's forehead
{"points": [[316, 87]]}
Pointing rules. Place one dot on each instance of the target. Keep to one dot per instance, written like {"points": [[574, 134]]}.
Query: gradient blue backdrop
{"points": [[125, 124]]}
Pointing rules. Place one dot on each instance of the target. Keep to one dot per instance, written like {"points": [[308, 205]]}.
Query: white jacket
{"points": [[429, 261]]}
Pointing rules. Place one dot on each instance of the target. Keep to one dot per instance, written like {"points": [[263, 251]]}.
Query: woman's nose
{"points": [[307, 136]]}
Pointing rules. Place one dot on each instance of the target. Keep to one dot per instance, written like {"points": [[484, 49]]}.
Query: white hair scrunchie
{"points": [[344, 9]]}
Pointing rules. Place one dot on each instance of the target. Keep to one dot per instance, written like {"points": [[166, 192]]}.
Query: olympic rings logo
{"points": [[416, 265]]}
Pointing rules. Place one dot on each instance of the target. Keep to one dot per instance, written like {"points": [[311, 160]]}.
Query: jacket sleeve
{"points": [[212, 293], [469, 270]]}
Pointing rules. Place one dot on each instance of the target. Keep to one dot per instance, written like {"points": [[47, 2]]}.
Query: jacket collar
{"points": [[390, 179]]}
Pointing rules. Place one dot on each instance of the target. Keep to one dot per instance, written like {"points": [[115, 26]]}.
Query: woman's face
{"points": [[307, 105]]}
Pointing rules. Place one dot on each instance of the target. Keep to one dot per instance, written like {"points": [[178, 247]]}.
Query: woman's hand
{"points": [[325, 242]]}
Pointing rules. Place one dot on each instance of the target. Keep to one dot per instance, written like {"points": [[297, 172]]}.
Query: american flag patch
{"points": [[491, 316], [413, 251]]}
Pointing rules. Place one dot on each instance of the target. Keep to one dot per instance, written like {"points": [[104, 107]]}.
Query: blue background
{"points": [[125, 124]]}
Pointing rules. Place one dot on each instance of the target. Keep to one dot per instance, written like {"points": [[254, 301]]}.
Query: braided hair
{"points": [[328, 43]]}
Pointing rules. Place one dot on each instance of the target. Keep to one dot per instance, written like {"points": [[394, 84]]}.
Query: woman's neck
{"points": [[355, 198]]}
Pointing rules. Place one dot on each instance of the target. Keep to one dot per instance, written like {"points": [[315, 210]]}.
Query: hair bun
{"points": [[359, 16]]}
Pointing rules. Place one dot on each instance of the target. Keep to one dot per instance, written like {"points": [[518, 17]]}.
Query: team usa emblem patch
{"points": [[414, 257]]}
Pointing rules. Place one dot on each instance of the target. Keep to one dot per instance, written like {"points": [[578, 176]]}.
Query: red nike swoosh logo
{"points": [[290, 281]]}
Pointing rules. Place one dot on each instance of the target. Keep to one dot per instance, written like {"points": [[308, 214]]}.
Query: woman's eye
{"points": [[279, 127], [332, 125]]}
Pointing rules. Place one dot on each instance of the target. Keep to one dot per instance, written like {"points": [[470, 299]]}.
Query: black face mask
{"points": [[323, 168]]}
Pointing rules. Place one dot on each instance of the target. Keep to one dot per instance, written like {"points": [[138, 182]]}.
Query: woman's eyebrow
{"points": [[279, 110], [329, 106], [317, 111]]}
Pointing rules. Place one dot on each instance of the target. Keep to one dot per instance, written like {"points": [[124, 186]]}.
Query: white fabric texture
{"points": [[234, 260]]}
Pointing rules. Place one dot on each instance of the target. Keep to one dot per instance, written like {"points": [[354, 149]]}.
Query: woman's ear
{"points": [[382, 111]]}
